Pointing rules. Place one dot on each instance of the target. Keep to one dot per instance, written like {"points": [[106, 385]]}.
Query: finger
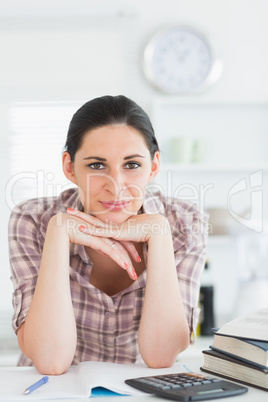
{"points": [[98, 231], [132, 250], [118, 253], [113, 250], [112, 234], [86, 217]]}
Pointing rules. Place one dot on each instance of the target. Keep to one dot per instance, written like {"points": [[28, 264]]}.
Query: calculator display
{"points": [[210, 391]]}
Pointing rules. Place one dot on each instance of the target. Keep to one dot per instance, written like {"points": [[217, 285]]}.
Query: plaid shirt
{"points": [[106, 325]]}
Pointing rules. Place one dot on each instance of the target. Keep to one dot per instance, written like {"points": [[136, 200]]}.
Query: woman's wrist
{"points": [[159, 228], [58, 226], [160, 248]]}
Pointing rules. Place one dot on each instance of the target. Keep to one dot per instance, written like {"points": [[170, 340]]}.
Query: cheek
{"points": [[137, 191], [88, 186], [138, 185]]}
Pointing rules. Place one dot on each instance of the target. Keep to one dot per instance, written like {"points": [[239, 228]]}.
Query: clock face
{"points": [[180, 60]]}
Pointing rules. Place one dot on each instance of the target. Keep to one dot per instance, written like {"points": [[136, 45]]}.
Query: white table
{"points": [[193, 360], [253, 394]]}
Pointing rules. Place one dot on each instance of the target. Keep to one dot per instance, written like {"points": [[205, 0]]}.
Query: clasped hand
{"points": [[115, 240]]}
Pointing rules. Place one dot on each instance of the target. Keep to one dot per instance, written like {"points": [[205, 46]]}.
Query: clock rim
{"points": [[216, 63]]}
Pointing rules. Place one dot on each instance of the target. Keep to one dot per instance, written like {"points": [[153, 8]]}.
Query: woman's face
{"points": [[111, 169]]}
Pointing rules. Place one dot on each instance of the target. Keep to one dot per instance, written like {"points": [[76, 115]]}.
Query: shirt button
{"points": [[107, 314]]}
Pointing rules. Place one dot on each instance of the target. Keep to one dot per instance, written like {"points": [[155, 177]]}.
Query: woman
{"points": [[106, 271]]}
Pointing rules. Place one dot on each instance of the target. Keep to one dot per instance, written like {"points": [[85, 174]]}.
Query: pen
{"points": [[36, 385]]}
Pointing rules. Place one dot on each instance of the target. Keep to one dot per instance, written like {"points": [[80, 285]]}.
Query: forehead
{"points": [[118, 137]]}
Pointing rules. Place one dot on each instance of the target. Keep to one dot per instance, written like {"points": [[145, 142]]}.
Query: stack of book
{"points": [[239, 350]]}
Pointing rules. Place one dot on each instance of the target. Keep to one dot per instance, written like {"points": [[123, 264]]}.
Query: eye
{"points": [[96, 166], [132, 165]]}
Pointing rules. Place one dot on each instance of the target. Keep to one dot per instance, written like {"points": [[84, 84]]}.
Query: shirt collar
{"points": [[179, 217], [152, 204]]}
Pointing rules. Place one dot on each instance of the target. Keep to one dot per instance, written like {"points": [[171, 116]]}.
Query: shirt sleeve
{"points": [[189, 239], [25, 257]]}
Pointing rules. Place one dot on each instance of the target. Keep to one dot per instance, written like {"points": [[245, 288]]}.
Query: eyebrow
{"points": [[133, 156], [98, 158]]}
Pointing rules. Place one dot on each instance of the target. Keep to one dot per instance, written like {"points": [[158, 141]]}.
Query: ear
{"points": [[67, 167], [155, 166]]}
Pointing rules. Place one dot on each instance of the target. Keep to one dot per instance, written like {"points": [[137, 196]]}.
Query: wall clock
{"points": [[181, 60]]}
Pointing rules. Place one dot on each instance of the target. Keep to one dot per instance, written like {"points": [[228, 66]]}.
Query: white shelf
{"points": [[233, 134], [214, 168], [159, 101]]}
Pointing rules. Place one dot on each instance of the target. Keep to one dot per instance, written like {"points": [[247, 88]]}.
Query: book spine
{"points": [[232, 378]]}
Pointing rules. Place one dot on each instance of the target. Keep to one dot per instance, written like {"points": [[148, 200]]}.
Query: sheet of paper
{"points": [[14, 381], [253, 325], [112, 376], [77, 382]]}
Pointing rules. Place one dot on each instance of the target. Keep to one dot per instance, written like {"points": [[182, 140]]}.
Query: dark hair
{"points": [[109, 110]]}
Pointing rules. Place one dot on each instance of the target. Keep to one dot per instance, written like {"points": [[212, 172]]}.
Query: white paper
{"points": [[77, 382], [253, 325], [112, 376], [14, 381]]}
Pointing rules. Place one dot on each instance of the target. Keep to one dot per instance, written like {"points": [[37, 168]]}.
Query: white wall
{"points": [[64, 50], [53, 34]]}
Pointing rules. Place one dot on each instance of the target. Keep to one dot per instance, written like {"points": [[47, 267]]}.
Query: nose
{"points": [[115, 183]]}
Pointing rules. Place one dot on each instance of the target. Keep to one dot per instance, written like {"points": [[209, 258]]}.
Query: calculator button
{"points": [[164, 383], [195, 383], [186, 384], [176, 386]]}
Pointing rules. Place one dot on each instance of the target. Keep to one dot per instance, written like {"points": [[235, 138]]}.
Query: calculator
{"points": [[186, 386]]}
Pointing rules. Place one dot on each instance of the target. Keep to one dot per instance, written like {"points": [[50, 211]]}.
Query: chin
{"points": [[116, 217]]}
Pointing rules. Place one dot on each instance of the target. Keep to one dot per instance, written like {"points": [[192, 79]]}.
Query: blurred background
{"points": [[56, 55]]}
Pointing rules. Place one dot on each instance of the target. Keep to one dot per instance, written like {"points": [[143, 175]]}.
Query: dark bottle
{"points": [[206, 300]]}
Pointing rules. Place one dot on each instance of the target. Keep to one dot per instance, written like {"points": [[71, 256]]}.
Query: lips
{"points": [[115, 205]]}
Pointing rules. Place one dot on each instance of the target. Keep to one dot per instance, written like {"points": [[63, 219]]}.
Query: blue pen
{"points": [[36, 385]]}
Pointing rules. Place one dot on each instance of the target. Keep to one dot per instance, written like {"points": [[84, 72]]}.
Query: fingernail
{"points": [[134, 275], [131, 272], [71, 211], [138, 259], [82, 228]]}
